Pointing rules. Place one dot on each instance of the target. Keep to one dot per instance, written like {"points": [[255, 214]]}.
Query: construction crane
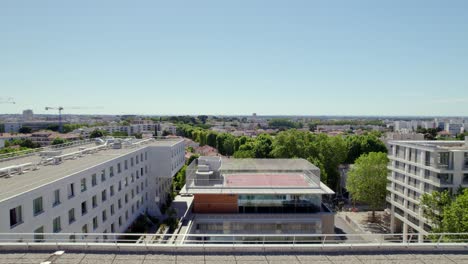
{"points": [[8, 100], [60, 115]]}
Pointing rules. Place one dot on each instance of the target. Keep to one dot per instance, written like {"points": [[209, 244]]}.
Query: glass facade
{"points": [[309, 227], [271, 203]]}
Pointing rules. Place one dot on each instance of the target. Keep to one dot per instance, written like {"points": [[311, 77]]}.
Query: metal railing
{"points": [[118, 240]]}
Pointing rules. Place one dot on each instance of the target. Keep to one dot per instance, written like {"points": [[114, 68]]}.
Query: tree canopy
{"points": [[58, 141], [367, 180]]}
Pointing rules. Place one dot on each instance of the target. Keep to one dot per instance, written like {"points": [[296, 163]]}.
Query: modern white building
{"points": [[418, 167], [257, 196], [87, 188]]}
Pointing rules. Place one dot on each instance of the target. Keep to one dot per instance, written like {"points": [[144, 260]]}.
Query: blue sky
{"points": [[236, 57]]}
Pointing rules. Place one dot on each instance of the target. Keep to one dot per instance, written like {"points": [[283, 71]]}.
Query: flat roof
{"points": [[381, 255], [433, 144], [254, 176], [46, 174]]}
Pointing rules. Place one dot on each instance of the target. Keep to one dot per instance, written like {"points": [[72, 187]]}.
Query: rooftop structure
{"points": [[215, 175], [268, 196]]}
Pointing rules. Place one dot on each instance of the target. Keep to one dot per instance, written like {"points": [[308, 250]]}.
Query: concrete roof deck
{"points": [[209, 257], [46, 174]]}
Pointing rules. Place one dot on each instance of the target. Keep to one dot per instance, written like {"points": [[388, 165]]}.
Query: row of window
{"points": [[16, 216], [57, 222]]}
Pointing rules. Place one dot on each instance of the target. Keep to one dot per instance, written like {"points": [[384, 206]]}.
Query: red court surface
{"points": [[265, 179]]}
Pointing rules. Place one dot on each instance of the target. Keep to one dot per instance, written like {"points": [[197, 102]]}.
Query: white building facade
{"points": [[90, 193], [418, 167]]}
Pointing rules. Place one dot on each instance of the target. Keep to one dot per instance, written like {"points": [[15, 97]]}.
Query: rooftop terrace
{"points": [[26, 172], [215, 175]]}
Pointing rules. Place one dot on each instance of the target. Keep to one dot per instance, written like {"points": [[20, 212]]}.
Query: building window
{"points": [[16, 216], [39, 234], [104, 195], [94, 201], [126, 181], [103, 175], [94, 180], [146, 155], [56, 225], [84, 208], [133, 178], [141, 171], [126, 198], [112, 210], [112, 190], [71, 216], [131, 161], [119, 168], [126, 164], [83, 185], [111, 171], [120, 186], [119, 203], [112, 228], [84, 229], [104, 216], [71, 190], [126, 215], [136, 159], [133, 193], [120, 221], [37, 206], [56, 197], [95, 223]]}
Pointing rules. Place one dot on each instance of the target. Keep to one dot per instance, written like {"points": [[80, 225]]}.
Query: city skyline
{"points": [[272, 58]]}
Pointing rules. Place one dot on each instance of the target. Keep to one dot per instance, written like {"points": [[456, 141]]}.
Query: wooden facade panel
{"points": [[215, 203]]}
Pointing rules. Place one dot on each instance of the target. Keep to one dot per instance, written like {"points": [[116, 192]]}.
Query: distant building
{"points": [[12, 127], [28, 115], [404, 136], [454, 128], [261, 196], [45, 138]]}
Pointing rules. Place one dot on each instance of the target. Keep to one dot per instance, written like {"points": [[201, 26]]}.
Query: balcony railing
{"points": [[100, 241]]}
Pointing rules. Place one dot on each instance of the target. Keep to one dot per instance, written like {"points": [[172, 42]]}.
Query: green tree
{"points": [[367, 180], [455, 217], [97, 133], [119, 134], [434, 205], [58, 141], [362, 144], [25, 130], [203, 118], [27, 143]]}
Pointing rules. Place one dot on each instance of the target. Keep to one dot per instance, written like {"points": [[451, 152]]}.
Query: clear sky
{"points": [[236, 57]]}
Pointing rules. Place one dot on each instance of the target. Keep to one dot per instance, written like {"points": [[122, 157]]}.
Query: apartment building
{"points": [[418, 167], [257, 196], [92, 188]]}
